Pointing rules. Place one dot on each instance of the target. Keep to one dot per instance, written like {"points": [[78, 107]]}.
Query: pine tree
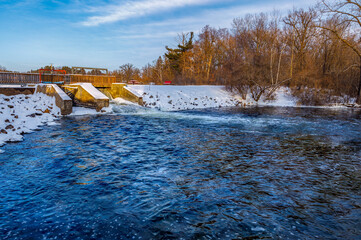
{"points": [[175, 55]]}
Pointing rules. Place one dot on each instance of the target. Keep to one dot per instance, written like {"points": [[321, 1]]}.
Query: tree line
{"points": [[316, 52]]}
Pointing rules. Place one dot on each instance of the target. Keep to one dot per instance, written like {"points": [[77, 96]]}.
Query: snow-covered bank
{"points": [[282, 98], [175, 98], [21, 114]]}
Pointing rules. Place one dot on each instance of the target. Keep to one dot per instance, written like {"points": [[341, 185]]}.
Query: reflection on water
{"points": [[288, 173]]}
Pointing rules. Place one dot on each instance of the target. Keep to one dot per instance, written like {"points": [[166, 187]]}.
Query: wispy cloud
{"points": [[142, 29], [133, 9], [218, 18]]}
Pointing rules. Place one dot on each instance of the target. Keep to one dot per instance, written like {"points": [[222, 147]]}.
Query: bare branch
{"points": [[338, 11], [357, 51]]}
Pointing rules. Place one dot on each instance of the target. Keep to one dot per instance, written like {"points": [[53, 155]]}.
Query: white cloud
{"points": [[219, 18], [133, 9]]}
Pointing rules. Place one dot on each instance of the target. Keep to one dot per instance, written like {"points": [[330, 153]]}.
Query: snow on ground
{"points": [[175, 98], [283, 98], [21, 114]]}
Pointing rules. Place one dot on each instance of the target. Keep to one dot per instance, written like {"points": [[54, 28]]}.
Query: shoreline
{"points": [[21, 114]]}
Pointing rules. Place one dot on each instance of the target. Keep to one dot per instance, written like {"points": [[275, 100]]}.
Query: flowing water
{"points": [[255, 173]]}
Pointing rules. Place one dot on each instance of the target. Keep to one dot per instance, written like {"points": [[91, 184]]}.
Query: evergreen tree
{"points": [[175, 54]]}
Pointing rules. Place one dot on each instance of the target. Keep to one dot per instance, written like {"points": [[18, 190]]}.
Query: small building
{"points": [[167, 83], [133, 82]]}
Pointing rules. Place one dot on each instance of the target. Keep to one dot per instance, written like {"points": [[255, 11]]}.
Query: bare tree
{"points": [[346, 12], [259, 55], [129, 72], [158, 70], [302, 30], [204, 54]]}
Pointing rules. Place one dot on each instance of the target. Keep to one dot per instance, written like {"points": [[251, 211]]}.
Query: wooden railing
{"points": [[97, 80], [18, 78], [100, 81]]}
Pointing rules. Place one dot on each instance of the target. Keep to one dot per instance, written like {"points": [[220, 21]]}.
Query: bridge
{"points": [[99, 81]]}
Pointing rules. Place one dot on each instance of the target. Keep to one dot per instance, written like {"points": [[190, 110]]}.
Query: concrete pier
{"points": [[63, 101], [85, 94], [81, 94], [119, 90]]}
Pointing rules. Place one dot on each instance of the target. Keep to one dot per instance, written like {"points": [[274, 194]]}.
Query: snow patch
{"points": [[176, 98], [79, 111], [283, 98], [92, 90], [60, 92], [21, 114], [10, 86]]}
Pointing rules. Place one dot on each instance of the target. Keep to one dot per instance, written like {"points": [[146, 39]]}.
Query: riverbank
{"points": [[21, 114], [177, 98], [286, 97]]}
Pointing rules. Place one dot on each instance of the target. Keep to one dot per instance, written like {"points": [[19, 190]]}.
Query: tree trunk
{"points": [[209, 68], [293, 43], [358, 100]]}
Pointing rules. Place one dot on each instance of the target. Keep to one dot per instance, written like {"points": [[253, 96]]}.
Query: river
{"points": [[236, 173]]}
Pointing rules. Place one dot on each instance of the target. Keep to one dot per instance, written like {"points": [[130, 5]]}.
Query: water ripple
{"points": [[271, 173]]}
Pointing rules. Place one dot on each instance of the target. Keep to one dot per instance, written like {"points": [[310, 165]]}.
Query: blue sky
{"points": [[109, 33]]}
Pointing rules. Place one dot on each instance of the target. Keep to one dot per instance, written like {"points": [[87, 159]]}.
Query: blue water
{"points": [[257, 173]]}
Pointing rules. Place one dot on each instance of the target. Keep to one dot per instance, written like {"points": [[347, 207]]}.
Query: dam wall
{"points": [[86, 95], [120, 90], [62, 100]]}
